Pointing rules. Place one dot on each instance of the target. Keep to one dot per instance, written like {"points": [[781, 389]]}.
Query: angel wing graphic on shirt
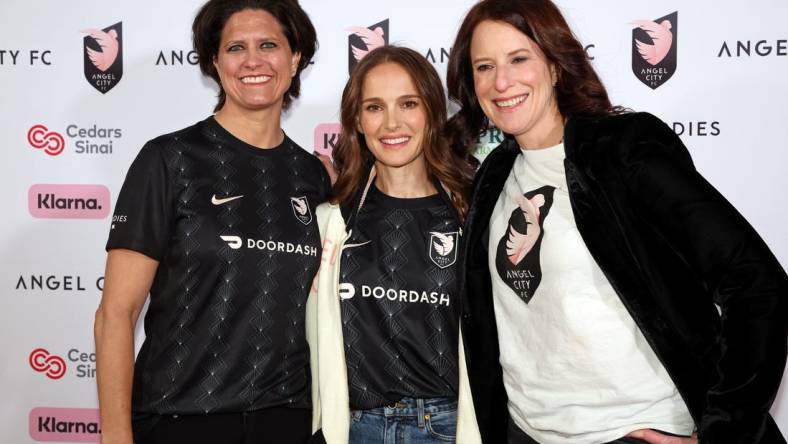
{"points": [[371, 38], [301, 209], [299, 203], [445, 243], [662, 36], [442, 249], [519, 244], [108, 42]]}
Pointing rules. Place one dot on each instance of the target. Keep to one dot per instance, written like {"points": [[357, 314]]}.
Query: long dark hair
{"points": [[296, 26], [352, 158], [579, 92]]}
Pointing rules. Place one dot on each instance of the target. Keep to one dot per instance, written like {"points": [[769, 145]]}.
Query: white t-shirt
{"points": [[575, 365]]}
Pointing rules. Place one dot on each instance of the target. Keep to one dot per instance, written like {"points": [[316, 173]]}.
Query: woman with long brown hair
{"points": [[388, 359], [596, 257]]}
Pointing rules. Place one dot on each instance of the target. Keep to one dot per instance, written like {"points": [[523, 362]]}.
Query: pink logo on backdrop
{"points": [[654, 49], [363, 40], [326, 138], [103, 56], [52, 142], [43, 362], [54, 424], [48, 201]]}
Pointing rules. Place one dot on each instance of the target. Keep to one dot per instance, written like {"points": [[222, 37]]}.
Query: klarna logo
{"points": [[48, 201], [54, 424]]}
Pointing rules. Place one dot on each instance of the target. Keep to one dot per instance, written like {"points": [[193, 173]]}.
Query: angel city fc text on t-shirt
{"points": [[399, 305]]}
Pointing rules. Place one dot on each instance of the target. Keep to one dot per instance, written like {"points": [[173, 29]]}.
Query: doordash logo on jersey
{"points": [[48, 201]]}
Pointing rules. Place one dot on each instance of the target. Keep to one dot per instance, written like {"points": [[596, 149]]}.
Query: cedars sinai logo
{"points": [[40, 137], [654, 49], [103, 55], [53, 366]]}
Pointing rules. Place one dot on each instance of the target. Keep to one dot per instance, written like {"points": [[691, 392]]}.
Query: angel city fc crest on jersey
{"points": [[443, 248], [363, 40], [103, 54], [654, 49], [301, 209]]}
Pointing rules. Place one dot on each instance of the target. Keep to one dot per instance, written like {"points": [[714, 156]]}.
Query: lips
{"points": [[510, 102], [254, 80], [395, 142]]}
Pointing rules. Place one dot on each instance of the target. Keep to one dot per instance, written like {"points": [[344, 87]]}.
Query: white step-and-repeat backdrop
{"points": [[69, 132]]}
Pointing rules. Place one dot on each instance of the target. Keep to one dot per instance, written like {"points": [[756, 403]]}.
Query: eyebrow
{"points": [[405, 97], [261, 39], [510, 53]]}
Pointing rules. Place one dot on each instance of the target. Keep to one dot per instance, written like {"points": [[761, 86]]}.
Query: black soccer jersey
{"points": [[400, 309], [234, 231]]}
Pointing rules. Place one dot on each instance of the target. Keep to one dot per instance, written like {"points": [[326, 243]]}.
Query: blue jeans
{"points": [[409, 421]]}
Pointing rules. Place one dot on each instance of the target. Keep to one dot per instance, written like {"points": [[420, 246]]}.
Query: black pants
{"points": [[517, 436], [276, 425]]}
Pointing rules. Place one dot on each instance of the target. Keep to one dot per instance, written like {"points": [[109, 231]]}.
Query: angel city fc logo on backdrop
{"points": [[443, 248], [517, 256], [301, 209], [103, 53], [654, 49], [363, 40]]}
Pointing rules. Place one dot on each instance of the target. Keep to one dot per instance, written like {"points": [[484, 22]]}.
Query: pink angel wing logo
{"points": [[446, 244], [519, 244], [300, 205], [108, 42], [661, 35], [372, 38]]}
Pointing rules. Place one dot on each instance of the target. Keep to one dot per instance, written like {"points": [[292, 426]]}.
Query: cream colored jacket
{"points": [[330, 403]]}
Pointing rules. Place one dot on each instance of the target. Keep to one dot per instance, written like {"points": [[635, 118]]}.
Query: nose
{"points": [[252, 59], [503, 78], [392, 120]]}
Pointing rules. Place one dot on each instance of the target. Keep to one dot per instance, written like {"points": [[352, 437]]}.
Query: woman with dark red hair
{"points": [[610, 293]]}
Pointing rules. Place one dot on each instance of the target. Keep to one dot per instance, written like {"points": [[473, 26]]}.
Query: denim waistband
{"points": [[415, 407]]}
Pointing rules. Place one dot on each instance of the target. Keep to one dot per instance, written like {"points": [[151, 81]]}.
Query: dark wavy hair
{"points": [[296, 26], [352, 158], [579, 92]]}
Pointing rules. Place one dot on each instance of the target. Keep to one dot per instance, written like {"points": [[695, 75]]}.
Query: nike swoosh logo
{"points": [[216, 201]]}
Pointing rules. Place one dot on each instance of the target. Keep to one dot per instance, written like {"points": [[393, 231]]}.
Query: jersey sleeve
{"points": [[144, 208]]}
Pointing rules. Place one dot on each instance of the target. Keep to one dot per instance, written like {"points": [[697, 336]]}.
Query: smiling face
{"points": [[254, 62], [393, 118], [514, 83]]}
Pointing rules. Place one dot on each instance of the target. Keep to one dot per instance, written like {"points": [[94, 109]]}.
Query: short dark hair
{"points": [[296, 26], [579, 91]]}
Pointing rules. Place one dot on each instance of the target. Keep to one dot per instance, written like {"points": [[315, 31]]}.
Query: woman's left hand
{"points": [[654, 437]]}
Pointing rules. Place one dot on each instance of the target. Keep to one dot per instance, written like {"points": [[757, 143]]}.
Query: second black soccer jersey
{"points": [[399, 304]]}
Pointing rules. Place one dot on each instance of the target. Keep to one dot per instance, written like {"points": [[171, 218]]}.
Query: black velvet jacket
{"points": [[672, 247]]}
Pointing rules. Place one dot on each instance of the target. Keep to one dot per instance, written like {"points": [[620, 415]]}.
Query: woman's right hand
{"points": [[127, 280]]}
